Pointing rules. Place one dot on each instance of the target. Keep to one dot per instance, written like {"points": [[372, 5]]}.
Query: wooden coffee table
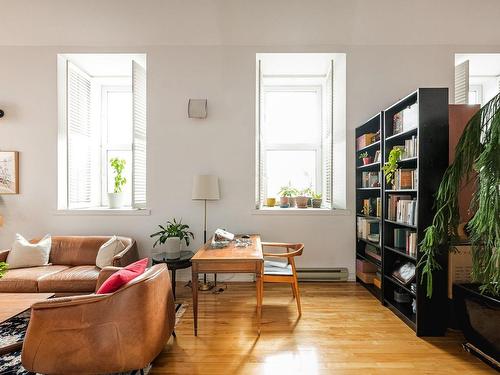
{"points": [[12, 304]]}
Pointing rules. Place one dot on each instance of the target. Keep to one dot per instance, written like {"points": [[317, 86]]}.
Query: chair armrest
{"points": [[127, 256], [283, 255], [298, 248], [67, 301], [104, 274], [3, 255]]}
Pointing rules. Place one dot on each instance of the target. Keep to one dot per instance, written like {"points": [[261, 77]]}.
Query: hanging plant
{"points": [[477, 159], [391, 165]]}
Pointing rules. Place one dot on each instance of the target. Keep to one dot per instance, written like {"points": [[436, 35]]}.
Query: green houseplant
{"points": [[317, 200], [172, 235], [366, 159], [285, 193], [3, 268], [115, 198], [477, 157], [391, 165]]}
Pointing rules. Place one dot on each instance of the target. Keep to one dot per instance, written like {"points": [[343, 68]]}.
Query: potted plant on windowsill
{"points": [[115, 198], [366, 159], [317, 200], [477, 159], [302, 198], [172, 235], [285, 194]]}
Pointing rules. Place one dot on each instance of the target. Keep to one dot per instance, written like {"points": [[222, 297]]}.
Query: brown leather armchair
{"points": [[108, 333]]}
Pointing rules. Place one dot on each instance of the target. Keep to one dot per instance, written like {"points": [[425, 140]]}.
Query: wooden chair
{"points": [[287, 274]]}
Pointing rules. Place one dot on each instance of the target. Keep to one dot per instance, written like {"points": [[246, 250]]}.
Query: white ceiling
{"points": [[481, 64], [106, 65]]}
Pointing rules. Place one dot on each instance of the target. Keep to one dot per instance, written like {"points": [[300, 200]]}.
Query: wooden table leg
{"points": [[259, 286], [194, 288]]}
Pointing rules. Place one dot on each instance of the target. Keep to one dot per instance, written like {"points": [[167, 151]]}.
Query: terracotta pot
{"points": [[368, 160], [317, 203], [301, 201], [292, 201], [271, 202], [284, 203]]}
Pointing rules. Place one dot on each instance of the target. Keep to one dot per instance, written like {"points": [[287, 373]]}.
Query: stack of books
{"points": [[370, 179], [405, 179], [405, 240], [402, 208], [373, 252], [365, 140], [372, 207], [367, 227]]}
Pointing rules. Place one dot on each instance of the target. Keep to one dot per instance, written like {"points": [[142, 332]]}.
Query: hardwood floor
{"points": [[343, 330]]}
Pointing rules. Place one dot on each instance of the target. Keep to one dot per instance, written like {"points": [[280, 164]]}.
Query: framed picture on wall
{"points": [[9, 172]]}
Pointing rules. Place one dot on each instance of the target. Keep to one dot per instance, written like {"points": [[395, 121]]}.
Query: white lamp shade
{"points": [[206, 187]]}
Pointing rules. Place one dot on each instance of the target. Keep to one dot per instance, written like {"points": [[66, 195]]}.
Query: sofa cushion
{"points": [[108, 251], [25, 280], [122, 277], [75, 279], [25, 254], [76, 250]]}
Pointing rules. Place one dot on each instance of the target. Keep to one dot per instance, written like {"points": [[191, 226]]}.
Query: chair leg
{"points": [[173, 334], [297, 296], [293, 290]]}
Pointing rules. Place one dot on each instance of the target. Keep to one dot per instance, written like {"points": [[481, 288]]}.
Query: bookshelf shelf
{"points": [[400, 252], [369, 260], [369, 188], [423, 118], [370, 146], [377, 245], [401, 224]]}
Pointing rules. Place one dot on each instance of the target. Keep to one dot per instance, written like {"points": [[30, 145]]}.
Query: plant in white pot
{"points": [[172, 235], [115, 198]]}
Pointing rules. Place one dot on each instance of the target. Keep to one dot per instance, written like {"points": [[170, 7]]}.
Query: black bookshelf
{"points": [[373, 125], [431, 133]]}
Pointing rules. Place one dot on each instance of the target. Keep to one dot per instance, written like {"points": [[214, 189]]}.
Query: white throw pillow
{"points": [[107, 252], [25, 254]]}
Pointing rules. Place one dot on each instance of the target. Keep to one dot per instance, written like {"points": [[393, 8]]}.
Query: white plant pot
{"points": [[115, 200], [173, 247]]}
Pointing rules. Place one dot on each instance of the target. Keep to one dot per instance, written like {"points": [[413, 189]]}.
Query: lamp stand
{"points": [[206, 286]]}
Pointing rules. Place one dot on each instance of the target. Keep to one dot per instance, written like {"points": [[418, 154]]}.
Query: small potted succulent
{"points": [[172, 235], [317, 200], [366, 159], [308, 193], [115, 198], [286, 193]]}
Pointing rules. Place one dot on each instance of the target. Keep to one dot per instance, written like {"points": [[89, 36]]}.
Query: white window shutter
{"points": [[462, 83], [326, 142], [139, 139], [79, 131], [259, 172]]}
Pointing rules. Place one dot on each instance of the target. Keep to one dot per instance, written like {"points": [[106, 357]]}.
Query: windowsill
{"points": [[104, 211], [301, 211]]}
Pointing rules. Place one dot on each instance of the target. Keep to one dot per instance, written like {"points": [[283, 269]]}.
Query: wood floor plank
{"points": [[343, 330]]}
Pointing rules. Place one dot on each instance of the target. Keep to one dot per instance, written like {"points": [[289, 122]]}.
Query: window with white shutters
{"points": [[102, 116]]}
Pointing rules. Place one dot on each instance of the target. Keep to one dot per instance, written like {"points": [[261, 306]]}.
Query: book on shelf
{"points": [[365, 140], [405, 119], [373, 252], [405, 240], [370, 179], [405, 179], [372, 207], [410, 149], [376, 157], [367, 228], [402, 208]]}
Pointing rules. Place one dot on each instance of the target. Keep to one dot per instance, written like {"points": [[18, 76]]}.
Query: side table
{"points": [[184, 261]]}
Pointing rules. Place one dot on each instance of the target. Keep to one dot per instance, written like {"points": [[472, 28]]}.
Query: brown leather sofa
{"points": [[101, 334], [72, 268]]}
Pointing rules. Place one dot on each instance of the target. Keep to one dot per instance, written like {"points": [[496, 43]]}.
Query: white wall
{"points": [[206, 49]]}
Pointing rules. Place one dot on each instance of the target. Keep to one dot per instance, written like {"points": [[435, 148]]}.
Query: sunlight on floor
{"points": [[305, 361]]}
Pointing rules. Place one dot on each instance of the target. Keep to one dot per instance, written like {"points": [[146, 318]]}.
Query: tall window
{"points": [[102, 116], [295, 120]]}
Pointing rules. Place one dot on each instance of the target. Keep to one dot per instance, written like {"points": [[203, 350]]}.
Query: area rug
{"points": [[14, 329]]}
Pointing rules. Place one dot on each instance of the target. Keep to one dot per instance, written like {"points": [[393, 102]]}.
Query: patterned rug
{"points": [[13, 331]]}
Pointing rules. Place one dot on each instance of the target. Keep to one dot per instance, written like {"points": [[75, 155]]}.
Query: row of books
{"points": [[410, 148], [405, 120], [405, 240], [367, 228], [405, 179], [372, 207], [373, 252], [402, 208], [370, 179]]}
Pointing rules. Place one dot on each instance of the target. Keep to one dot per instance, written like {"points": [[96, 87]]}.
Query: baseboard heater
{"points": [[323, 274]]}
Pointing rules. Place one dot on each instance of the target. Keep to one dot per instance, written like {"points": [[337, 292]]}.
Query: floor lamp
{"points": [[205, 188]]}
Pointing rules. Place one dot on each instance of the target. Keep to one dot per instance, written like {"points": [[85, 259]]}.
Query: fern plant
{"points": [[477, 159]]}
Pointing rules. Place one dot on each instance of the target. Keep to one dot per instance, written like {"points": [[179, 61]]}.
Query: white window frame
{"points": [[478, 89], [316, 147], [105, 146]]}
